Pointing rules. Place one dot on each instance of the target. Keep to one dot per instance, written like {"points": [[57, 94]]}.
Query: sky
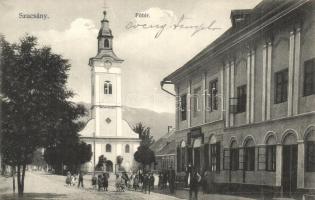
{"points": [[149, 54]]}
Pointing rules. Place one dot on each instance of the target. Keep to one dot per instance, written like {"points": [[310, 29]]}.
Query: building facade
{"points": [[165, 156], [106, 131], [245, 107]]}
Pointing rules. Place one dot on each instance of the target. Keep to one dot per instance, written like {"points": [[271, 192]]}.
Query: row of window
{"points": [[167, 163], [211, 156], [243, 158], [212, 100], [281, 92], [108, 148]]}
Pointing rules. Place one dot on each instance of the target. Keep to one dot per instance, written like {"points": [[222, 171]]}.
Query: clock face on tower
{"points": [[108, 64]]}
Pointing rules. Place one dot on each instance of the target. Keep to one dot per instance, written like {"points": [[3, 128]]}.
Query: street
{"points": [[46, 186]]}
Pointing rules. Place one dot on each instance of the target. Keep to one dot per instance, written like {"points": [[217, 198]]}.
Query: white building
{"points": [[106, 131]]}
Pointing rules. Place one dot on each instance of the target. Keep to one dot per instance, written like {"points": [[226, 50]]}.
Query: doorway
{"points": [[197, 158], [196, 154], [289, 168]]}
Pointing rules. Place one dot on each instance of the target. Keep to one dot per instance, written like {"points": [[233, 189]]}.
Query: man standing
{"points": [[80, 180], [151, 182], [172, 180], [194, 184], [145, 183]]}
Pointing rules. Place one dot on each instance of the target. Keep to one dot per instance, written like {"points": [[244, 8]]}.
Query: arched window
{"points": [[127, 148], [108, 148], [106, 43], [183, 155], [249, 155], [108, 87], [310, 151]]}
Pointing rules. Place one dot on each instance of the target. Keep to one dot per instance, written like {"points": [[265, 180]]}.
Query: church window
{"points": [[106, 43], [108, 87], [108, 148], [127, 148], [108, 120]]}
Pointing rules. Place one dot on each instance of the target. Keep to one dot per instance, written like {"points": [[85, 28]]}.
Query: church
{"points": [[106, 131]]}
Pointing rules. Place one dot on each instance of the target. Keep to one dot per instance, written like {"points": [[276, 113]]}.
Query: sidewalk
{"points": [[184, 194]]}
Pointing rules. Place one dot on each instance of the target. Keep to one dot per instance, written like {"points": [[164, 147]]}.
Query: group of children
{"points": [[100, 182], [145, 182], [72, 179]]}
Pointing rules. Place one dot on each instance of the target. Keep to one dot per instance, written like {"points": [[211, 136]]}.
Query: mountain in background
{"points": [[158, 122]]}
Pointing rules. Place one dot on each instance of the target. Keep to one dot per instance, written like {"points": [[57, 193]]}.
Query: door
{"points": [[289, 168]]}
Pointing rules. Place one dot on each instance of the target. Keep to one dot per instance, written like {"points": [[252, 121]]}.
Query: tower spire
{"points": [[105, 40]]}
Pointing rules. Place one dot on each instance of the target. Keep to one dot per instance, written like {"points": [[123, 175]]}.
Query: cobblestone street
{"points": [[46, 186]]}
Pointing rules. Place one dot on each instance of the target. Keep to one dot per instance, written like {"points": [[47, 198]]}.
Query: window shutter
{"points": [[226, 159], [206, 156], [178, 156], [218, 158], [261, 159], [241, 159]]}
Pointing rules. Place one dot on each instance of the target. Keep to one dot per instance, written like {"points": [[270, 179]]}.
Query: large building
{"points": [[106, 132], [246, 103]]}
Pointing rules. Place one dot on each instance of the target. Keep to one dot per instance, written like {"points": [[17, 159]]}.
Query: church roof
{"points": [[126, 131], [105, 31], [107, 53]]}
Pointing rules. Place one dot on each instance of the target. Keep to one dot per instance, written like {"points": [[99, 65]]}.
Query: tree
{"points": [[144, 155], [144, 134], [101, 163], [72, 155], [119, 161], [38, 159], [36, 111]]}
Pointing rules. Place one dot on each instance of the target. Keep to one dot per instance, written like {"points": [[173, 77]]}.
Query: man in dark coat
{"points": [[145, 183], [171, 179], [194, 184], [80, 180]]}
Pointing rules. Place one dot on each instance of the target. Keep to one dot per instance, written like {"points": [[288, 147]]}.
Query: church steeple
{"points": [[105, 36], [105, 42]]}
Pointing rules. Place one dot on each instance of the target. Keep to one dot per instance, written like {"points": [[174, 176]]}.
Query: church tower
{"points": [[106, 84], [107, 132]]}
